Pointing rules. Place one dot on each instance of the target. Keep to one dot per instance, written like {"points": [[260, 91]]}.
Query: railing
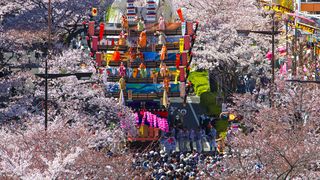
{"points": [[146, 134], [170, 46], [145, 96], [138, 80], [149, 64]]}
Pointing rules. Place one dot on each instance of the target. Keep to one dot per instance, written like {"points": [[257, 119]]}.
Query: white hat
{"points": [[160, 171]]}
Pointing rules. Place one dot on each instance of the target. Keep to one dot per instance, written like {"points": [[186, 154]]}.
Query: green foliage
{"points": [[213, 110], [208, 101], [110, 12], [200, 80], [207, 98], [223, 134], [221, 125]]}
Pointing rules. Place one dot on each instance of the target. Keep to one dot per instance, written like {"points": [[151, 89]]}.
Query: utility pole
{"points": [[46, 67], [272, 60]]}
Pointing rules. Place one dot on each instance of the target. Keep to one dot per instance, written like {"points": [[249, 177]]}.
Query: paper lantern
{"points": [[94, 11], [94, 43], [232, 117], [91, 28]]}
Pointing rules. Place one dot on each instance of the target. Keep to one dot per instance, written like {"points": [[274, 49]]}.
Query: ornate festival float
{"points": [[143, 51]]}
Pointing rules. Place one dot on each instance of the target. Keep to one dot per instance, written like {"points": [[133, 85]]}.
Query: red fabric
{"points": [[190, 28], [101, 32], [98, 58], [179, 11], [184, 59], [91, 28], [116, 56], [182, 75], [95, 43], [177, 60], [163, 114], [187, 42]]}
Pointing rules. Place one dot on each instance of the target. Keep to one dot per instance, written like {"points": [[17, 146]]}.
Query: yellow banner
{"points": [[306, 28], [181, 45], [289, 4], [278, 8]]}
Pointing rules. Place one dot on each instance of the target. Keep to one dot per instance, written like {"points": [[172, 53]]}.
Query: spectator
{"points": [[198, 139], [191, 138], [180, 139], [185, 139], [203, 137], [212, 140]]}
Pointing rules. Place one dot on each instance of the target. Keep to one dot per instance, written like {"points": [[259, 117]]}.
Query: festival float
{"points": [[144, 55]]}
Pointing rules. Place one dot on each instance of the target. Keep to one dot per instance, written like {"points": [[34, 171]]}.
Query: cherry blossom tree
{"points": [[32, 15], [218, 41], [219, 48], [60, 152], [281, 141], [70, 100]]}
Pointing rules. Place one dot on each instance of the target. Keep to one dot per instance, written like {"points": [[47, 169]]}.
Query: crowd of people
{"points": [[178, 165], [188, 140]]}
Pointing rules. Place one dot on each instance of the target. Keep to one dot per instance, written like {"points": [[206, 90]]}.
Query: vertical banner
{"points": [[182, 87], [91, 28], [190, 30], [95, 43], [182, 74], [183, 28], [129, 94], [101, 31], [181, 45], [187, 44], [99, 58], [184, 59], [177, 60]]}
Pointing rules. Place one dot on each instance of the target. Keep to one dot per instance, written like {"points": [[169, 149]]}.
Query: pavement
{"points": [[190, 119], [193, 110]]}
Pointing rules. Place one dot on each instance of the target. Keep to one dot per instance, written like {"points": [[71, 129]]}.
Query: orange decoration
{"points": [[163, 53], [116, 56], [142, 39]]}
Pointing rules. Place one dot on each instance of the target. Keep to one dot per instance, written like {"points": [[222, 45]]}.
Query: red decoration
{"points": [[182, 74], [91, 28], [116, 56], [101, 32], [179, 11], [94, 43], [177, 60], [187, 42], [98, 58], [184, 59]]}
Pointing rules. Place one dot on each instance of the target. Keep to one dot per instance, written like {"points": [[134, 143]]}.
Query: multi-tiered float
{"points": [[145, 57]]}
